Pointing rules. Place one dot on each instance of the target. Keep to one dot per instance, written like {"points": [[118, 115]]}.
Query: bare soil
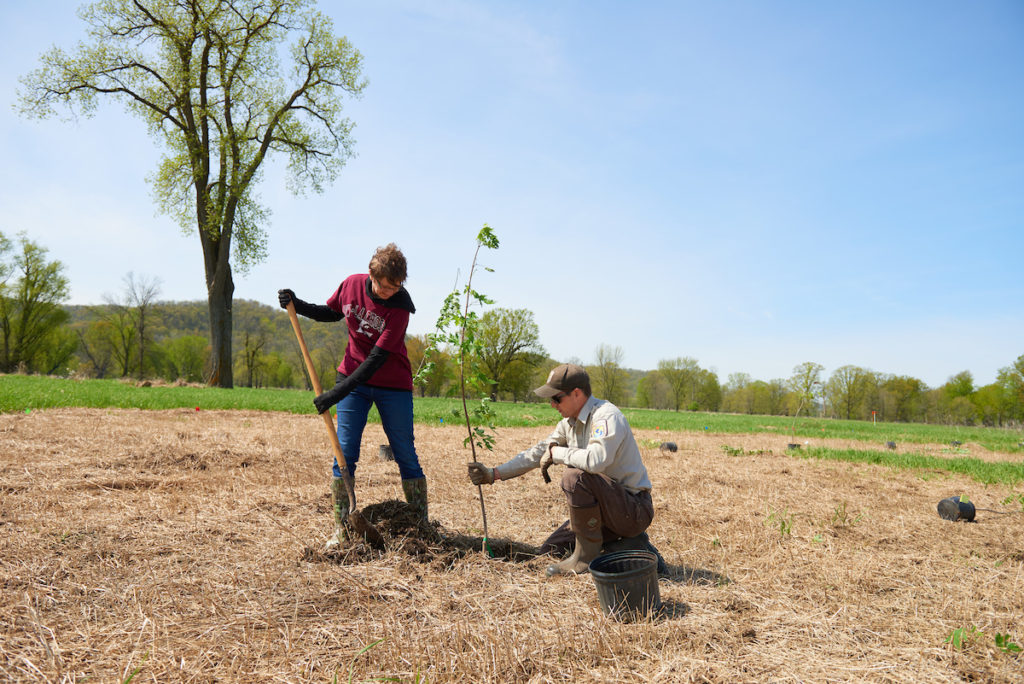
{"points": [[187, 546]]}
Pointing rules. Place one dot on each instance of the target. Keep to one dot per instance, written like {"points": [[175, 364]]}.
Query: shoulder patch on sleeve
{"points": [[599, 429]]}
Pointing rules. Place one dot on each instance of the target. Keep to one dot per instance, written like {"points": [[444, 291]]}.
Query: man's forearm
{"points": [[527, 460]]}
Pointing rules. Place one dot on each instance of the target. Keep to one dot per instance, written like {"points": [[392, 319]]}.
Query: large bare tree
{"points": [[206, 77]]}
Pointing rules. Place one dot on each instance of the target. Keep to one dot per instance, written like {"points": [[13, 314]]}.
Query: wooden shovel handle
{"points": [[328, 421]]}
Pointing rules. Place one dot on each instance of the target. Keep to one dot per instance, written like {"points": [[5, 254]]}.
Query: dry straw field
{"points": [[184, 546]]}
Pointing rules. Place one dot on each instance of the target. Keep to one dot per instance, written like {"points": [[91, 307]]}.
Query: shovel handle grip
{"points": [[328, 421]]}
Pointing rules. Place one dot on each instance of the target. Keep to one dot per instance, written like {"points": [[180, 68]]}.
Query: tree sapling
{"points": [[457, 328]]}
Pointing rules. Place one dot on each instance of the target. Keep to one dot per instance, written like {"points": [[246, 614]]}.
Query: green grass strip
{"points": [[986, 472], [19, 393]]}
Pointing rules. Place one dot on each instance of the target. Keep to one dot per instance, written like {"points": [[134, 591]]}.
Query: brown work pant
{"points": [[622, 514]]}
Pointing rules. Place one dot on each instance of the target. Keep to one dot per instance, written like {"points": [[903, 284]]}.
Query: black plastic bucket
{"points": [[627, 583], [954, 509]]}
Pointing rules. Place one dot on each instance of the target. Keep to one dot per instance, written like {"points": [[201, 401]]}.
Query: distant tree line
{"points": [[132, 334]]}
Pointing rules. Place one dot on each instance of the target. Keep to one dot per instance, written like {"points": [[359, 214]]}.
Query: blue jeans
{"points": [[395, 407]]}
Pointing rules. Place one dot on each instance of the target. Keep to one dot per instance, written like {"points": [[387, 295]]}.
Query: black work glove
{"points": [[284, 296], [324, 402], [318, 312]]}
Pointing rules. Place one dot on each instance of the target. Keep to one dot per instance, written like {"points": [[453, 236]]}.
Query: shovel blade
{"points": [[365, 529]]}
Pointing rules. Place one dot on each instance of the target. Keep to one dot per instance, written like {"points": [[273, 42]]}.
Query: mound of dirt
{"points": [[398, 520], [406, 533]]}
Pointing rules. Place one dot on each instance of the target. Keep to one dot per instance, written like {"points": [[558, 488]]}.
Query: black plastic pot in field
{"points": [[954, 509], [627, 584]]}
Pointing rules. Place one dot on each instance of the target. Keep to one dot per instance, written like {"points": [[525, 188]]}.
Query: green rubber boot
{"points": [[339, 496], [586, 524], [415, 491]]}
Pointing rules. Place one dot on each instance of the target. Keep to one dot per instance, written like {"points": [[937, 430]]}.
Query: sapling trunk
{"points": [[462, 387], [792, 427]]}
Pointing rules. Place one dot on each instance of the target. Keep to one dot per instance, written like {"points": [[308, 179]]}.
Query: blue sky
{"points": [[751, 184]]}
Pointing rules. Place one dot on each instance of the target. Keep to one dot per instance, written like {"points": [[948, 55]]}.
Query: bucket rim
{"points": [[630, 554]]}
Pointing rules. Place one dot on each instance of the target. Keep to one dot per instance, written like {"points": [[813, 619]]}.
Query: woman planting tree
{"points": [[374, 370]]}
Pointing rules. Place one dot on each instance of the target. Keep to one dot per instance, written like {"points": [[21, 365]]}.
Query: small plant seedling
{"points": [[782, 519], [457, 328], [817, 539], [841, 518], [732, 451], [1004, 644], [956, 638], [1015, 499], [962, 636]]}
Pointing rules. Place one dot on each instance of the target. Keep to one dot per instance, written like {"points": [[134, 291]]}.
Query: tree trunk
{"points": [[220, 289], [219, 300]]}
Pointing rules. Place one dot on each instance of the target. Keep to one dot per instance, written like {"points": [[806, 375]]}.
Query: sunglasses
{"points": [[557, 399]]}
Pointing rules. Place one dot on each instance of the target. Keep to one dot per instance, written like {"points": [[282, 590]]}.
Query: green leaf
{"points": [[1004, 644], [956, 638], [487, 238]]}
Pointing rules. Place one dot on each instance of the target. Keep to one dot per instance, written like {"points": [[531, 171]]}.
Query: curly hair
{"points": [[389, 262]]}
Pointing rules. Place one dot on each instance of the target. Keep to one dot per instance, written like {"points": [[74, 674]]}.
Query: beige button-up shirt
{"points": [[599, 440]]}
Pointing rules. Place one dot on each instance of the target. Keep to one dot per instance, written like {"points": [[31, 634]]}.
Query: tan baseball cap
{"points": [[564, 378]]}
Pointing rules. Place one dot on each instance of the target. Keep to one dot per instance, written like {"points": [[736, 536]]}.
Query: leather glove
{"points": [[324, 402], [284, 296], [546, 461], [479, 474]]}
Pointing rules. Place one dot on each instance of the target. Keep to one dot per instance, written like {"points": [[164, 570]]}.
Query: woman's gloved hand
{"points": [[284, 296], [324, 402]]}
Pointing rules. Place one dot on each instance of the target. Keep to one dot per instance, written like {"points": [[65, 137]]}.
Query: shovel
{"points": [[356, 519]]}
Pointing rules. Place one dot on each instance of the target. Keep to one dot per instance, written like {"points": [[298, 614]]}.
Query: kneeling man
{"points": [[605, 482]]}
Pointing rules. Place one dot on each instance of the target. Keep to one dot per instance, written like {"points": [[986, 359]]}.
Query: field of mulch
{"points": [[188, 546]]}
